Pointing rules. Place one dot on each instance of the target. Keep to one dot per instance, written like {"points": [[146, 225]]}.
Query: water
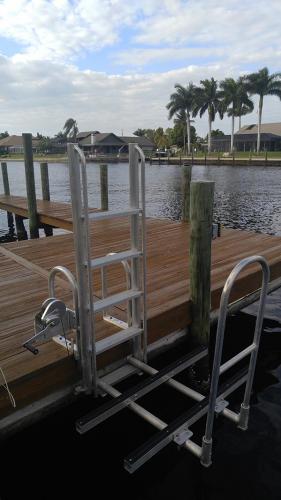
{"points": [[245, 197]]}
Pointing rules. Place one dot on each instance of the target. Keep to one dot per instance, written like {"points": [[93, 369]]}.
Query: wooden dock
{"points": [[52, 213], [24, 268]]}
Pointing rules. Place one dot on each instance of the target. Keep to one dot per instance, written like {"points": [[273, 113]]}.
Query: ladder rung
{"points": [[111, 259], [110, 214], [117, 338], [113, 300]]}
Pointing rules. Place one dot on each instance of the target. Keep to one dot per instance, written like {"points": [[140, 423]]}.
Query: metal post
{"points": [[201, 218], [104, 186], [80, 221], [186, 179], [135, 272], [45, 192], [6, 185], [30, 185]]}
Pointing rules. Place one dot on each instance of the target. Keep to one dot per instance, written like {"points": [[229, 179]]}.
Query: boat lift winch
{"points": [[56, 320]]}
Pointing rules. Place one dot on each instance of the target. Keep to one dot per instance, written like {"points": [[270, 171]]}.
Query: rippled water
{"points": [[245, 197]]}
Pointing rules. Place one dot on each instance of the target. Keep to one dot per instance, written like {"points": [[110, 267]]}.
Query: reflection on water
{"points": [[245, 197]]}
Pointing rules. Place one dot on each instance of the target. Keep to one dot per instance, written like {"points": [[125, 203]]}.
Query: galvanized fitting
{"points": [[206, 456], [244, 417]]}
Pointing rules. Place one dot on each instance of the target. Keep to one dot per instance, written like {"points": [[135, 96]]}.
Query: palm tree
{"points": [[244, 104], [182, 102], [208, 98], [70, 128], [262, 84], [229, 89], [236, 101]]}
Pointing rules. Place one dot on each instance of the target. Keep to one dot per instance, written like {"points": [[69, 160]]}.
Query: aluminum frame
{"points": [[136, 295]]}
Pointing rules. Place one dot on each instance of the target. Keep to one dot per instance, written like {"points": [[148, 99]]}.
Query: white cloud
{"points": [[63, 28], [40, 96], [41, 86]]}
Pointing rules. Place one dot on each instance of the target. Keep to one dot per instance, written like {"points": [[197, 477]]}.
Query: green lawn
{"points": [[240, 154], [36, 157]]}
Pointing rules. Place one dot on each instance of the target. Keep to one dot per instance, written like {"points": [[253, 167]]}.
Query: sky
{"points": [[112, 64]]}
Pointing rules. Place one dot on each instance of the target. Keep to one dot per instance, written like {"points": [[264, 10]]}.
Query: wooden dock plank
{"points": [[53, 213]]}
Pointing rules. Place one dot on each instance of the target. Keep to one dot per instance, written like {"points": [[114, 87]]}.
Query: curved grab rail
{"points": [[242, 418], [71, 279], [127, 270]]}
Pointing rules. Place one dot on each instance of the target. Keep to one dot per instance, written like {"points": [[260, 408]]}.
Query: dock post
{"points": [[104, 186], [201, 218], [205, 159], [6, 185], [44, 172], [186, 179], [30, 185]]}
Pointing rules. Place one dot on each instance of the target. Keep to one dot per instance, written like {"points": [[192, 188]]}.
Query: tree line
{"points": [[230, 96]]}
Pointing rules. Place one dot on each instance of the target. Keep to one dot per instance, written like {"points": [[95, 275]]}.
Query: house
{"points": [[14, 144], [245, 139], [146, 144], [95, 143]]}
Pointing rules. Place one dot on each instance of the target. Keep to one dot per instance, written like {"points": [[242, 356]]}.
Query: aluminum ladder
{"points": [[178, 431], [133, 259]]}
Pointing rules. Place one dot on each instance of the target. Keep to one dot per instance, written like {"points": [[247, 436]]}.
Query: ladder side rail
{"points": [[91, 340], [143, 203], [207, 438], [79, 221], [134, 230]]}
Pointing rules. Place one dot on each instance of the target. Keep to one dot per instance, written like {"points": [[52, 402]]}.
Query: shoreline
{"points": [[215, 161]]}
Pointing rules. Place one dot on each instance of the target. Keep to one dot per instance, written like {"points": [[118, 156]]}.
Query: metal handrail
{"points": [[252, 349], [144, 326], [127, 270], [77, 171]]}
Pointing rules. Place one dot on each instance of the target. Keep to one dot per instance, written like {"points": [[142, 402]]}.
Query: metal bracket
{"points": [[216, 230], [181, 437], [221, 405]]}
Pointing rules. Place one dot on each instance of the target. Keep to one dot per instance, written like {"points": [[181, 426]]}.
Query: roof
{"points": [[107, 139], [81, 135], [266, 128], [15, 140], [140, 140]]}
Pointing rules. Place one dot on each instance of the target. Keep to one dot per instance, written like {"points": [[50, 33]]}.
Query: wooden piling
{"points": [[44, 172], [20, 227], [30, 185], [104, 186], [201, 217], [6, 186], [186, 179]]}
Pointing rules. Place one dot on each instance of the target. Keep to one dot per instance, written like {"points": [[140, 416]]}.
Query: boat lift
{"points": [[55, 320]]}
